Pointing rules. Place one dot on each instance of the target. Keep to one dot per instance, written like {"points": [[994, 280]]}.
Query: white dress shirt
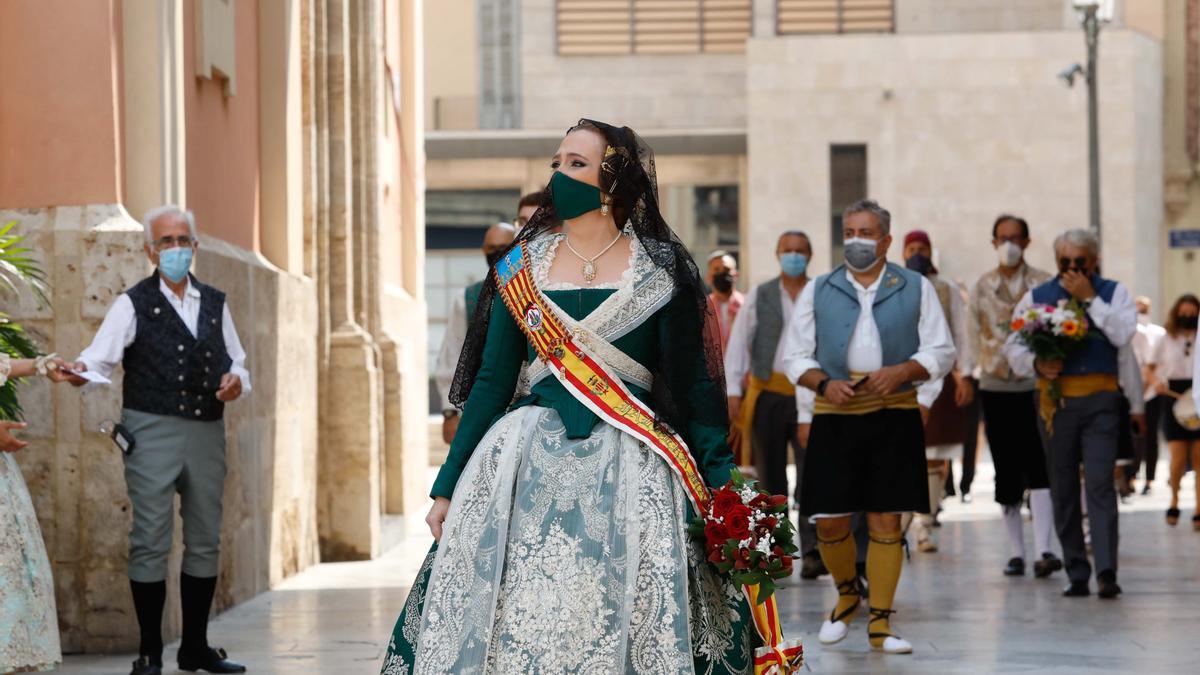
{"points": [[929, 391], [935, 352], [1173, 357], [1196, 382], [1143, 343], [1130, 378], [1117, 319], [452, 344], [737, 352], [119, 329]]}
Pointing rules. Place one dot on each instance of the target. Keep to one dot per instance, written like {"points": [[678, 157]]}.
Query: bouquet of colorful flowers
{"points": [[1052, 331], [747, 535]]}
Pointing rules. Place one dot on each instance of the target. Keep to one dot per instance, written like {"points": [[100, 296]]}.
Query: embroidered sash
{"points": [[587, 378]]}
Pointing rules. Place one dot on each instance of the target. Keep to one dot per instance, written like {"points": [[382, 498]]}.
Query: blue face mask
{"points": [[793, 264], [174, 263]]}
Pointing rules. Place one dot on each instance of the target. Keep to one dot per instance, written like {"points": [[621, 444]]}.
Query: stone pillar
{"points": [[349, 483]]}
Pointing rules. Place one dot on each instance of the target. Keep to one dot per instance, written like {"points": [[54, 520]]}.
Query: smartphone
{"points": [[124, 439]]}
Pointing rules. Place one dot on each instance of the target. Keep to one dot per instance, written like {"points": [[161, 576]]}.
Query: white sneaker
{"points": [[833, 632], [925, 541], [894, 645]]}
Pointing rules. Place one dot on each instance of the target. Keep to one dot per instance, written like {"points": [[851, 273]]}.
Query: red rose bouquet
{"points": [[747, 535]]}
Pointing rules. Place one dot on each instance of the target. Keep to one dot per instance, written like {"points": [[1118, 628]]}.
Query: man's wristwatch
{"points": [[822, 385], [448, 414]]}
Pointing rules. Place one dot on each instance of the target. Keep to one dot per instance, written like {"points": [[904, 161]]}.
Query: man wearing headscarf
{"points": [[943, 400]]}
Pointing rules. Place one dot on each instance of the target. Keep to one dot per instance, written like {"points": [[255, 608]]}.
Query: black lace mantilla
{"points": [[627, 175]]}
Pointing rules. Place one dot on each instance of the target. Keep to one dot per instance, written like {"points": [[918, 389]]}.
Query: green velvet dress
{"points": [[566, 549]]}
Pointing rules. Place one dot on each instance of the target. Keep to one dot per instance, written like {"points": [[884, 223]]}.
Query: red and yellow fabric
{"points": [[587, 378]]}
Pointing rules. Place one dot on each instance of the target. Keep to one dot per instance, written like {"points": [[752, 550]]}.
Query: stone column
{"points": [[349, 483]]}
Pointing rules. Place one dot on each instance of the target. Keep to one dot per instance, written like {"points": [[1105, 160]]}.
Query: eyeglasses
{"points": [[172, 242], [1079, 263]]}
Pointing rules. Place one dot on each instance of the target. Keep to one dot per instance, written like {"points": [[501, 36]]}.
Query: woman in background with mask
{"points": [[562, 538], [1171, 364]]}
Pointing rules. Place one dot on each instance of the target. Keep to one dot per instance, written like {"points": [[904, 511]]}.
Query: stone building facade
{"points": [[293, 130], [950, 111]]}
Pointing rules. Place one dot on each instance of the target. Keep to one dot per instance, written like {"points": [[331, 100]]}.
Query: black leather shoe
{"points": [[812, 566], [1107, 581], [1077, 589], [210, 660], [1049, 564], [1015, 568], [147, 665]]}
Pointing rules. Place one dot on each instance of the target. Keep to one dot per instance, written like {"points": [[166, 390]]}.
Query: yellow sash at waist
{"points": [[1070, 386], [778, 384], [865, 404]]}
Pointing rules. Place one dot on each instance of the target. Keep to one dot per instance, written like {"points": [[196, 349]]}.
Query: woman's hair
{"points": [[693, 351], [1172, 326]]}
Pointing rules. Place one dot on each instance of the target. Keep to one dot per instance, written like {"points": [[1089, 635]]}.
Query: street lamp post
{"points": [[1092, 14], [1091, 29]]}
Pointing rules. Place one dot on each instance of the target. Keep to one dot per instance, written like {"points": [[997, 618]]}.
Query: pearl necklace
{"points": [[589, 264]]}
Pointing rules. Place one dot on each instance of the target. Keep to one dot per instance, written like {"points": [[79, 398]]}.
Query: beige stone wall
{"points": [[451, 65], [971, 16], [694, 90], [959, 128], [75, 474]]}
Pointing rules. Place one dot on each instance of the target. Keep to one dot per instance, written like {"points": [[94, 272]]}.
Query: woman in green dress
{"points": [[562, 540]]}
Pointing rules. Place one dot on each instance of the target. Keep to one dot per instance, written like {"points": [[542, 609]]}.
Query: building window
{"points": [[847, 184], [798, 17], [618, 27]]}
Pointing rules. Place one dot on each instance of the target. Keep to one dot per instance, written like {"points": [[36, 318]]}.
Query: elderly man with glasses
{"points": [[183, 363], [1082, 427]]}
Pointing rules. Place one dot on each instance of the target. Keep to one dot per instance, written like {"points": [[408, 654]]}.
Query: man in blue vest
{"points": [[1083, 427], [496, 240], [766, 411], [183, 362], [862, 337]]}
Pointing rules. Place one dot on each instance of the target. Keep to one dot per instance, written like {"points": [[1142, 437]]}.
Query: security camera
{"points": [[1068, 74]]}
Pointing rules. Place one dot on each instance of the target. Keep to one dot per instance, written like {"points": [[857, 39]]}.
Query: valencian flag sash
{"points": [[587, 378]]}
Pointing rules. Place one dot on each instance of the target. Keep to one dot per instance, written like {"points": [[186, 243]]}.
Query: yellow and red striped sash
{"points": [[588, 379]]}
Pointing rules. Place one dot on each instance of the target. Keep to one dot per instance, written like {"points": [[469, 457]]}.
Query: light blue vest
{"points": [[897, 312]]}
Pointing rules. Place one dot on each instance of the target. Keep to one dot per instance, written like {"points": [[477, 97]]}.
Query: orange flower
{"points": [[1070, 328], [1018, 324]]}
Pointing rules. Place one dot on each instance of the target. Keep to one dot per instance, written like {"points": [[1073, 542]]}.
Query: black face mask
{"points": [[920, 264], [1187, 322], [723, 283], [493, 258]]}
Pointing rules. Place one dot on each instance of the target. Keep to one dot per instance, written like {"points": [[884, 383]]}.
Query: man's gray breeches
{"points": [[174, 455]]}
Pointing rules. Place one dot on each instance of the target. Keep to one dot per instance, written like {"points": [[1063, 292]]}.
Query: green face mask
{"points": [[572, 198]]}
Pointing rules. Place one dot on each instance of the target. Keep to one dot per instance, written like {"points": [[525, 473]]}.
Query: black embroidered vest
{"points": [[167, 370]]}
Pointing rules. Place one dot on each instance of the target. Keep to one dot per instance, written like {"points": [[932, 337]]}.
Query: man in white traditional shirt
{"points": [[1146, 445], [1083, 425], [496, 240], [866, 450], [766, 412], [183, 362]]}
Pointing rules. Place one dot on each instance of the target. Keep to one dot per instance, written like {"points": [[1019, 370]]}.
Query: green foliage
{"points": [[18, 272]]}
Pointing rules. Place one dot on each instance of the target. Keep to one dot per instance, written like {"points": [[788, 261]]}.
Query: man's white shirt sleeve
{"points": [[935, 352], [737, 351], [800, 337], [1020, 358], [452, 344]]}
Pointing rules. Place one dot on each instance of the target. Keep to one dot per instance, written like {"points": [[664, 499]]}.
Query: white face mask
{"points": [[1009, 254]]}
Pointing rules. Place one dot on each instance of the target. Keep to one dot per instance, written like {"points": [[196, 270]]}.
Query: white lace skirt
{"points": [[28, 621], [565, 555]]}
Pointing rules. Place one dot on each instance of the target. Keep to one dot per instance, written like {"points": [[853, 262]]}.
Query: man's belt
{"points": [[865, 403], [778, 384], [1054, 393]]}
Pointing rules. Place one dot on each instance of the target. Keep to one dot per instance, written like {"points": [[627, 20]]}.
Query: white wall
{"points": [[959, 128]]}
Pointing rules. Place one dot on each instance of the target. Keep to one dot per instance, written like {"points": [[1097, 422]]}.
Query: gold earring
{"points": [[604, 206]]}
